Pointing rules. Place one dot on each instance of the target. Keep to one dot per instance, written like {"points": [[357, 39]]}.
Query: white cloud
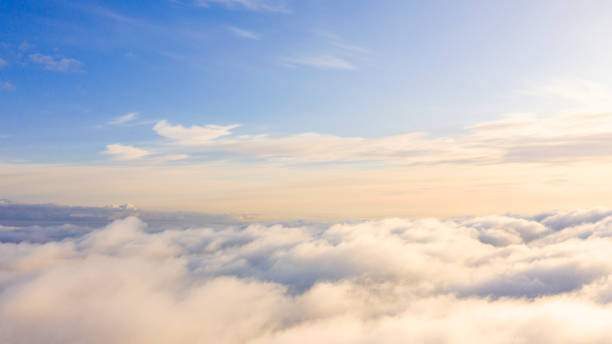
{"points": [[243, 33], [124, 152], [252, 5], [193, 135], [515, 139], [320, 62], [387, 281], [59, 64], [6, 86]]}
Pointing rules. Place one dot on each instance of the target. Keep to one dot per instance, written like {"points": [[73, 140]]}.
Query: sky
{"points": [[305, 171], [280, 109]]}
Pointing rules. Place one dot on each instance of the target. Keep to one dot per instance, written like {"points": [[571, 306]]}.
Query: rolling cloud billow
{"points": [[496, 279]]}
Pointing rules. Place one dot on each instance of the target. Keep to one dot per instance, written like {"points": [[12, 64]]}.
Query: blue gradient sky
{"points": [[346, 68]]}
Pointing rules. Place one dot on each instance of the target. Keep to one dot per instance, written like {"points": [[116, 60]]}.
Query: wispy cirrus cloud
{"points": [[57, 64], [243, 33], [6, 86], [128, 117], [580, 94], [337, 41], [325, 62], [251, 5], [340, 55], [3, 63], [122, 152]]}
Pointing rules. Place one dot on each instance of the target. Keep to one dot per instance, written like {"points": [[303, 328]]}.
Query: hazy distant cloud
{"points": [[3, 63], [582, 95], [424, 281], [252, 5], [25, 46], [6, 86], [320, 62], [128, 117], [243, 33], [58, 64], [19, 216], [124, 152], [171, 157], [340, 43]]}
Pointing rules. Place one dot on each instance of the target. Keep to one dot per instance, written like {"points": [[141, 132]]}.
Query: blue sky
{"points": [[88, 83]]}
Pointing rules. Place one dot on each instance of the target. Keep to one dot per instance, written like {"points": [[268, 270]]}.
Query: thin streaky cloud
{"points": [[169, 158], [6, 86], [56, 64], [109, 14], [585, 95], [125, 152], [320, 62], [243, 33], [251, 5], [124, 119], [3, 63], [521, 138], [351, 48], [340, 43]]}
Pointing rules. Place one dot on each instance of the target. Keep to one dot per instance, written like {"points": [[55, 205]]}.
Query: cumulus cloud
{"points": [[393, 280], [57, 64]]}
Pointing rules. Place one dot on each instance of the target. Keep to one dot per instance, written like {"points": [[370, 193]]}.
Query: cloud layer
{"points": [[495, 279], [520, 138]]}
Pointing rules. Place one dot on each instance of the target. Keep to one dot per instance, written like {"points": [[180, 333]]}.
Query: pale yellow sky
{"points": [[322, 193]]}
